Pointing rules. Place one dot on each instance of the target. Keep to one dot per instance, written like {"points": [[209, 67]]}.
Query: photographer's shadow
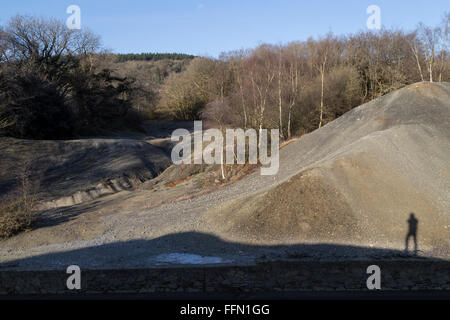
{"points": [[412, 232]]}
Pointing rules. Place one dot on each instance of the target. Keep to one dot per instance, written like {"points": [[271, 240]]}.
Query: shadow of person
{"points": [[412, 232]]}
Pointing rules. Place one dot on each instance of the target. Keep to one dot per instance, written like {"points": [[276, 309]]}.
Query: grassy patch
{"points": [[18, 210], [16, 215]]}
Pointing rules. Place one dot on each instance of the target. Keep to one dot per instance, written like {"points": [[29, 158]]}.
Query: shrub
{"points": [[16, 215], [17, 212], [34, 107]]}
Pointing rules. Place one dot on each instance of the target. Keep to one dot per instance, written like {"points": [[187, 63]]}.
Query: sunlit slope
{"points": [[358, 178]]}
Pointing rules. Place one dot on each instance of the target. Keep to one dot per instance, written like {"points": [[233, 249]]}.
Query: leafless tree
{"points": [[443, 45], [321, 54], [416, 49], [235, 60], [429, 38], [295, 63], [46, 42]]}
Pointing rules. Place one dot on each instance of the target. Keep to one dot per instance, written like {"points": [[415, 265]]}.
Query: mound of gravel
{"points": [[352, 184], [357, 179]]}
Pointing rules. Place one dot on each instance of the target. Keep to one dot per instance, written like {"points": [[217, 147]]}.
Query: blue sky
{"points": [[208, 27]]}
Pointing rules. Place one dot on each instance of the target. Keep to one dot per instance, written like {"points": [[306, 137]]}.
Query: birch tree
{"points": [[415, 46], [319, 53], [294, 52], [444, 44], [429, 39]]}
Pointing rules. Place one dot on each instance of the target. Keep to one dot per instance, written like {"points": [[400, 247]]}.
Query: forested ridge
{"points": [[122, 57], [60, 83], [300, 86]]}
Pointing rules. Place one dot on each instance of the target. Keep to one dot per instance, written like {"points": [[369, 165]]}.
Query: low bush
{"points": [[16, 215]]}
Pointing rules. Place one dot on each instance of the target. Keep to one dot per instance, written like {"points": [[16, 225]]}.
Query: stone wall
{"points": [[268, 277]]}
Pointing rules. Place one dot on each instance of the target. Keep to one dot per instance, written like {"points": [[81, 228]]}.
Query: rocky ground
{"points": [[343, 192]]}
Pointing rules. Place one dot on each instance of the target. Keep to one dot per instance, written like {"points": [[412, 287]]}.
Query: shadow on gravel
{"points": [[412, 232], [53, 217], [200, 264], [193, 248]]}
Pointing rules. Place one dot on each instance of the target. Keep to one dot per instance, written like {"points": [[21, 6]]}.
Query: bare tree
{"points": [[261, 69], [235, 60], [320, 53], [443, 45], [280, 90], [46, 42], [295, 64], [184, 94], [30, 36], [415, 45], [3, 45], [429, 39]]}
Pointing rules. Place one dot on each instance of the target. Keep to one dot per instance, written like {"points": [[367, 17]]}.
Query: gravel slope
{"points": [[357, 178]]}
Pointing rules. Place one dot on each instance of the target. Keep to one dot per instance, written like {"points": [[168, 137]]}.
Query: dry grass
{"points": [[15, 216], [4, 123], [17, 213]]}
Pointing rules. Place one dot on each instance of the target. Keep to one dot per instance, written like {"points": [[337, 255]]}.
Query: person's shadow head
{"points": [[412, 231]]}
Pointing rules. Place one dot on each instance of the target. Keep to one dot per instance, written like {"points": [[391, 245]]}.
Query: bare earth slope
{"points": [[354, 182], [68, 172], [358, 178]]}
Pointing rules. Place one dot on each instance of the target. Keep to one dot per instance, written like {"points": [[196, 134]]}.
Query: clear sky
{"points": [[208, 27]]}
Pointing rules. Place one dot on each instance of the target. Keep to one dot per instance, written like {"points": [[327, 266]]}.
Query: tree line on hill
{"points": [[300, 86], [58, 83], [151, 56], [146, 78], [50, 85]]}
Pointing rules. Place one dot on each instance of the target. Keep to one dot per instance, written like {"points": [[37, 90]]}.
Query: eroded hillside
{"points": [[354, 181]]}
